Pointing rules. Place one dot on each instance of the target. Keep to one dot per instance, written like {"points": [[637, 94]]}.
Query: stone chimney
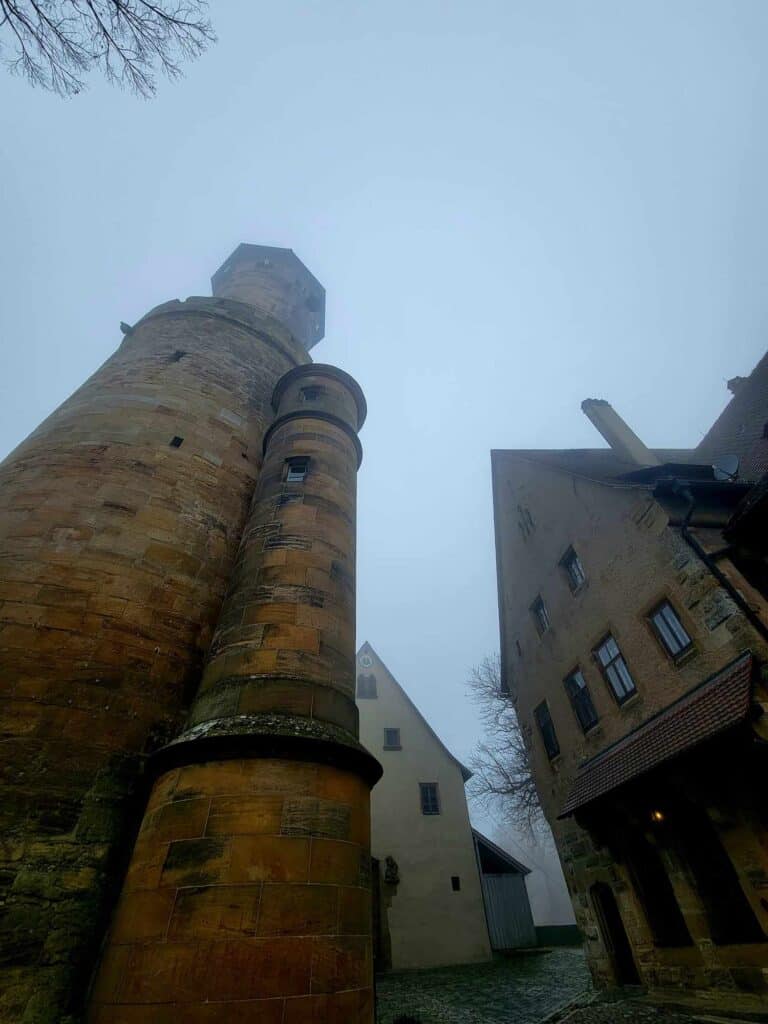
{"points": [[622, 439]]}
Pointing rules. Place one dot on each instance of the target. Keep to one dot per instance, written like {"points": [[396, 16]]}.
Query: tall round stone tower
{"points": [[248, 896], [121, 517]]}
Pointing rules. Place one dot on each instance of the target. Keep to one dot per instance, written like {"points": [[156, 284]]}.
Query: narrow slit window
{"points": [[430, 801], [574, 570], [540, 616], [614, 668], [392, 739], [455, 883], [311, 393], [176, 442], [670, 630], [296, 469], [581, 700], [547, 730]]}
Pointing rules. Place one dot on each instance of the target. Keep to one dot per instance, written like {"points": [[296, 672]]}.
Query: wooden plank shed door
{"points": [[510, 923]]}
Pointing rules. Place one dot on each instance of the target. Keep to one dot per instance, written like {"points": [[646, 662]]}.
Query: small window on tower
{"points": [[296, 469], [311, 393], [455, 883], [392, 739], [430, 802], [176, 442]]}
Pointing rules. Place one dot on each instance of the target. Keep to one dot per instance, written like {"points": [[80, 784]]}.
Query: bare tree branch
{"points": [[54, 44], [502, 780]]}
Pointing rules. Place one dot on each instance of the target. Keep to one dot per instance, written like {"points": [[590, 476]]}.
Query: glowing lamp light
{"points": [[657, 816]]}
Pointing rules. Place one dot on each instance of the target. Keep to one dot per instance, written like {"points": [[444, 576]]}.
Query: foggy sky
{"points": [[512, 205]]}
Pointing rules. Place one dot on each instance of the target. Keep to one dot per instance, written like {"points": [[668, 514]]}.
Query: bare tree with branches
{"points": [[55, 43], [502, 779]]}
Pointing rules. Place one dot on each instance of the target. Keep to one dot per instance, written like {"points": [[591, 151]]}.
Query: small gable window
{"points": [[392, 739], [366, 687], [574, 570], [430, 801], [296, 469]]}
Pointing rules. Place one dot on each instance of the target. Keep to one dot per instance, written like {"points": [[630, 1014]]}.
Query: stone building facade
{"points": [[177, 598], [634, 639]]}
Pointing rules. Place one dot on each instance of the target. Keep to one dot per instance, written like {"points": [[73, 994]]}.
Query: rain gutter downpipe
{"points": [[684, 491]]}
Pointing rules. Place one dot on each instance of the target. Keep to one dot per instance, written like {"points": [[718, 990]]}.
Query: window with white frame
{"points": [[614, 668], [296, 469], [670, 630]]}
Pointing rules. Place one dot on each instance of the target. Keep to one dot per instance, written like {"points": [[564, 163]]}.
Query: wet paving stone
{"points": [[519, 989]]}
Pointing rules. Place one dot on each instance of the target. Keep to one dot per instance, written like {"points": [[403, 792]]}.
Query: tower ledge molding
{"points": [[281, 736]]}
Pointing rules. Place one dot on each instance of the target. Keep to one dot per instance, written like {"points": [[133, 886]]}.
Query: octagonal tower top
{"points": [[276, 282]]}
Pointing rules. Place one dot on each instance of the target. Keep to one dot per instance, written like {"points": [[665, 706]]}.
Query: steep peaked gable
{"points": [[367, 648]]}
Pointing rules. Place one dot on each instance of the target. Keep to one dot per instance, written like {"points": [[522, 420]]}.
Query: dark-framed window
{"points": [[296, 469], [669, 629], [574, 570], [540, 615], [581, 699], [547, 730], [614, 668], [366, 687], [455, 883], [392, 739], [430, 798]]}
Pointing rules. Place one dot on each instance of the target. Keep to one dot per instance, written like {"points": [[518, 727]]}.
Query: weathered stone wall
{"points": [[248, 899], [252, 868], [115, 551], [633, 559]]}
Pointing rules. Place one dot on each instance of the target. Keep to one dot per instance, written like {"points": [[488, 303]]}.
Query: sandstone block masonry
{"points": [[120, 520], [248, 896]]}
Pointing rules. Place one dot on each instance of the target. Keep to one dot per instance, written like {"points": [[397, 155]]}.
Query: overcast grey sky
{"points": [[512, 205]]}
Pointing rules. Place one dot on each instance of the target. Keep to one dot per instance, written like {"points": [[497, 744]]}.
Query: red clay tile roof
{"points": [[712, 707]]}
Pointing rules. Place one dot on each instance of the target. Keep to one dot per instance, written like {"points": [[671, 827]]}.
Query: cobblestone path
{"points": [[519, 990]]}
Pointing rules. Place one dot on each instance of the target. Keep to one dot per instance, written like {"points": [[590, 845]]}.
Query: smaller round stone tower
{"points": [[248, 896]]}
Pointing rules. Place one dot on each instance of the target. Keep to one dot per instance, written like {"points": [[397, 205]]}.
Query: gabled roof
{"points": [[496, 852], [466, 774], [598, 464]]}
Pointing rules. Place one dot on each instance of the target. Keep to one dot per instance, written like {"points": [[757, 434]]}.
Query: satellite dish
{"points": [[726, 467]]}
